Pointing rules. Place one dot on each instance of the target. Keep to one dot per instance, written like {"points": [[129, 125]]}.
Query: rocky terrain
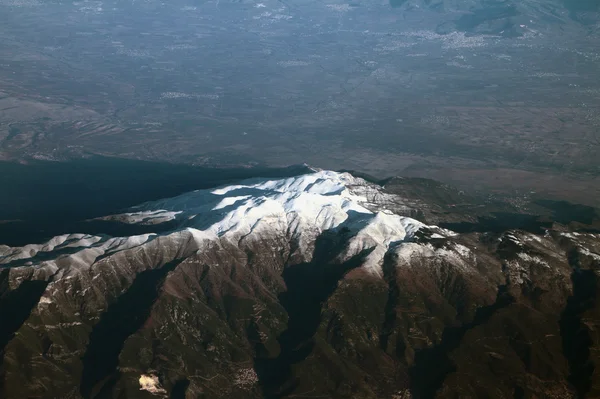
{"points": [[320, 285]]}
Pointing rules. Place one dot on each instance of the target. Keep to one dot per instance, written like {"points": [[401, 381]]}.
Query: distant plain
{"points": [[503, 99]]}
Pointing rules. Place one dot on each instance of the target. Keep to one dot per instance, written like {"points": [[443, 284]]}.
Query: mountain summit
{"points": [[319, 285], [297, 209]]}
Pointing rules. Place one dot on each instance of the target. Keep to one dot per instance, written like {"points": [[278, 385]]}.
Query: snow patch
{"points": [[533, 259], [62, 325], [229, 201], [456, 255], [462, 250], [44, 300], [589, 253], [145, 217], [150, 383]]}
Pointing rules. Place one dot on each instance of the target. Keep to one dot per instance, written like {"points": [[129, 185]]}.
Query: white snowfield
{"points": [[297, 208]]}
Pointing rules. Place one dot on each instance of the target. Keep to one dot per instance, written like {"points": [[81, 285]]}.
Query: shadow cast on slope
{"points": [[15, 307], [432, 365], [576, 336], [179, 389], [390, 316], [309, 285], [122, 319]]}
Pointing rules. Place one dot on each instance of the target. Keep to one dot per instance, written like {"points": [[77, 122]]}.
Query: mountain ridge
{"points": [[313, 283]]}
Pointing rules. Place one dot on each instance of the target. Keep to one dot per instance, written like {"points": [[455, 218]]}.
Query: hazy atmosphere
{"points": [[494, 95], [273, 199]]}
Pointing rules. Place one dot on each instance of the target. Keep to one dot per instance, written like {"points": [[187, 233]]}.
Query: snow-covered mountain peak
{"points": [[322, 198], [296, 209]]}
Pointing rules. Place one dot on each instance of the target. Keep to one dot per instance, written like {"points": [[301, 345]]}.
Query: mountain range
{"points": [[324, 284]]}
